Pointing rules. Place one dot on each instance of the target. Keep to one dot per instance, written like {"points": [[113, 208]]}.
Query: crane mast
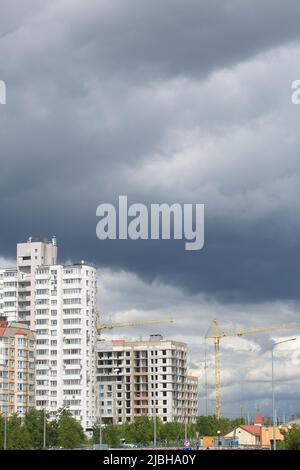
{"points": [[217, 368], [217, 335]]}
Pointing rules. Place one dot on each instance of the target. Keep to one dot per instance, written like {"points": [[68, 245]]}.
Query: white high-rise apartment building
{"points": [[65, 299], [9, 293], [136, 378], [17, 285], [59, 303], [30, 255]]}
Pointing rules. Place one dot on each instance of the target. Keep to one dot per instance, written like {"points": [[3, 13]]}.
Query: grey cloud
{"points": [[171, 37], [246, 362], [191, 106]]}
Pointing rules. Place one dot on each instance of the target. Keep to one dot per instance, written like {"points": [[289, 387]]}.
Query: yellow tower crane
{"points": [[100, 327], [217, 335]]}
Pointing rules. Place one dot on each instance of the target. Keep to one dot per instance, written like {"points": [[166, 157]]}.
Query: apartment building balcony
{"points": [[140, 404], [9, 293], [140, 368], [43, 366], [44, 275], [24, 318], [23, 299], [141, 354], [141, 395], [141, 371], [141, 360], [41, 296], [141, 413], [24, 277], [143, 389], [137, 380], [24, 307], [43, 386]]}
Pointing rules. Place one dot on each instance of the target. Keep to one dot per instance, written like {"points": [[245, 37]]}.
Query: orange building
{"points": [[266, 435], [208, 441]]}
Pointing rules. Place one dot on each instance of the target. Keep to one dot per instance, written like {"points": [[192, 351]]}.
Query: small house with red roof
{"points": [[245, 434], [254, 435]]}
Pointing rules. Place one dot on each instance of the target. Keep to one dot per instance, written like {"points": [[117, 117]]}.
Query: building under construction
{"points": [[137, 378]]}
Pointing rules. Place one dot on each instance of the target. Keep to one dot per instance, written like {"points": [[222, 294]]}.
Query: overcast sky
{"points": [[164, 101]]}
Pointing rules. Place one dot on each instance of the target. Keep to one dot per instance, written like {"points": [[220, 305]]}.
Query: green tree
{"points": [[18, 436], [292, 439], [1, 432], [209, 425], [52, 431], [141, 431], [34, 425], [111, 435], [171, 433], [69, 431]]}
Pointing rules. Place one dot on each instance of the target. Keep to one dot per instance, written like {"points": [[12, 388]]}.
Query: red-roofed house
{"points": [[246, 435], [254, 435]]}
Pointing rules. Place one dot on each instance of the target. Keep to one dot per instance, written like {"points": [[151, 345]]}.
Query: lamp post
{"points": [[100, 419], [115, 371], [284, 431], [154, 419], [219, 442], [5, 431], [185, 429], [45, 411], [153, 403], [273, 389], [45, 427]]}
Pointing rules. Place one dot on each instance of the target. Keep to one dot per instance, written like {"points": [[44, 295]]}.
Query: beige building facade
{"points": [[17, 368]]}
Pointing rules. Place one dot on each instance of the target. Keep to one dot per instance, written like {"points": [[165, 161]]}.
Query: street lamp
{"points": [[154, 422], [45, 427], [5, 431], [284, 431], [115, 371], [185, 429], [273, 390], [153, 402], [45, 410], [219, 442]]}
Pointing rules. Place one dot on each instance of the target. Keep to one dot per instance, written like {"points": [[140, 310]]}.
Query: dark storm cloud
{"points": [[141, 38], [103, 95]]}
